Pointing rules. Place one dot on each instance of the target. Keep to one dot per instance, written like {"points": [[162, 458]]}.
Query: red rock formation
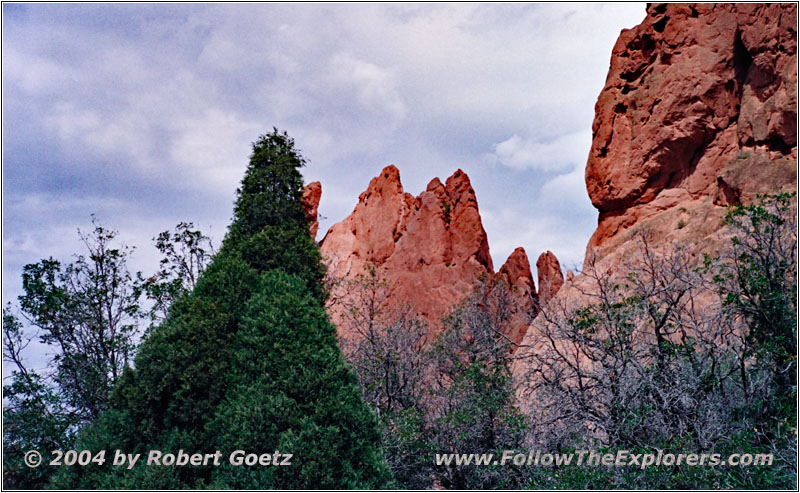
{"points": [[430, 249], [550, 276], [516, 274], [311, 195], [698, 111]]}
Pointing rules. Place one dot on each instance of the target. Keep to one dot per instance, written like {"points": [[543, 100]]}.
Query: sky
{"points": [[143, 114]]}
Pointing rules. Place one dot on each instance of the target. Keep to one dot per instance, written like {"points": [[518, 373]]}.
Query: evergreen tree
{"points": [[246, 361]]}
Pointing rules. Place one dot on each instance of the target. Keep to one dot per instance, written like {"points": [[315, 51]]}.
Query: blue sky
{"points": [[143, 114]]}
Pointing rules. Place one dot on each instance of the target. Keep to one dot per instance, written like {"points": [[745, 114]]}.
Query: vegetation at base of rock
{"points": [[758, 280], [453, 393], [660, 369], [666, 357]]}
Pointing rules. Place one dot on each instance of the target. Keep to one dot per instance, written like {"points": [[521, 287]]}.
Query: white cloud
{"points": [[568, 190], [211, 149], [34, 74], [558, 154], [508, 229], [374, 86], [105, 135]]}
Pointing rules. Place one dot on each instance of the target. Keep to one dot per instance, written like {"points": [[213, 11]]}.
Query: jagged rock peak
{"points": [[386, 183], [548, 271], [517, 276], [431, 249], [517, 272], [312, 193]]}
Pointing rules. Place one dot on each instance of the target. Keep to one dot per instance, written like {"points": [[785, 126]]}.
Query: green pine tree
{"points": [[247, 361]]}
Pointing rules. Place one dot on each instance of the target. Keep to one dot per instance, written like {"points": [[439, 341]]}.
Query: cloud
{"points": [[558, 154], [568, 190], [211, 149], [536, 233], [374, 86]]}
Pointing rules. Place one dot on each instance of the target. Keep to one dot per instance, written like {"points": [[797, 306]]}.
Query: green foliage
{"points": [[650, 371], [407, 446], [88, 314], [89, 310], [272, 189], [186, 254], [291, 389], [452, 394], [32, 420], [269, 228], [247, 360], [759, 281], [33, 416], [779, 475], [473, 398]]}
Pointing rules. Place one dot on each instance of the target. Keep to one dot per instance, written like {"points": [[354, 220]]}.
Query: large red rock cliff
{"points": [[698, 111], [431, 249]]}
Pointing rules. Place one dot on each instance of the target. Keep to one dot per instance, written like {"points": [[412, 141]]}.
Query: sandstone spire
{"points": [[549, 276], [430, 249], [311, 195]]}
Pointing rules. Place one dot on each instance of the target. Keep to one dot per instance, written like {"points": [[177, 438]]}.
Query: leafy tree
{"points": [[249, 350], [89, 311], [187, 252], [34, 417], [758, 279]]}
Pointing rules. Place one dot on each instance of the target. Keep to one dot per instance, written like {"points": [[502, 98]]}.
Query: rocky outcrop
{"points": [[430, 249], [551, 278], [516, 273], [312, 193], [698, 112], [517, 276]]}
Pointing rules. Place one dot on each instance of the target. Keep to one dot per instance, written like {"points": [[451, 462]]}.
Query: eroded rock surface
{"points": [[311, 196], [431, 249], [698, 112]]}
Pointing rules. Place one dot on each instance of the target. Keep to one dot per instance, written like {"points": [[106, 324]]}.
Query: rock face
{"points": [[311, 196], [430, 249], [516, 274], [698, 112], [550, 276]]}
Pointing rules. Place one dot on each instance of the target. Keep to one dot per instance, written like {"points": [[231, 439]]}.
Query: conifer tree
{"points": [[247, 361]]}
